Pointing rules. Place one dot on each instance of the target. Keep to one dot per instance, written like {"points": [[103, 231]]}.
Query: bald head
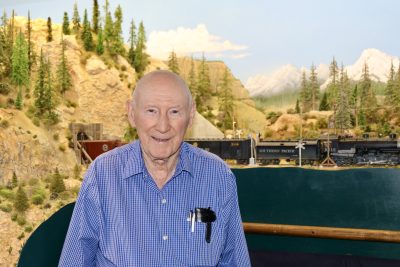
{"points": [[154, 80]]}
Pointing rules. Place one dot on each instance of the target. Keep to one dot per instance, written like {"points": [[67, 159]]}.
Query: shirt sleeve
{"points": [[235, 252], [81, 242]]}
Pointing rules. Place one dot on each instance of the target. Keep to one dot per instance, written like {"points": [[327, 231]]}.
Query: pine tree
{"points": [[65, 25], [226, 104], [332, 87], [390, 95], [203, 84], [314, 87], [39, 92], [192, 80], [6, 44], [44, 100], [76, 20], [31, 53], [57, 183], [368, 100], [96, 15], [63, 75], [355, 104], [86, 34], [118, 47], [342, 115], [20, 62], [396, 89], [14, 181], [305, 94], [324, 105], [108, 27], [141, 58], [297, 108], [100, 41], [19, 101], [132, 43], [173, 63], [49, 36], [21, 200]]}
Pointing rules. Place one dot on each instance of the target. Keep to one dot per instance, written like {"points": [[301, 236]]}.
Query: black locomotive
{"points": [[343, 151]]}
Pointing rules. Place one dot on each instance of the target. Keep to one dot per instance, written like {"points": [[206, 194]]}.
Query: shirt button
{"points": [[165, 237], [163, 201]]}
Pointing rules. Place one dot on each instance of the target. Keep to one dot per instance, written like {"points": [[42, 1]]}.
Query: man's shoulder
{"points": [[198, 156]]}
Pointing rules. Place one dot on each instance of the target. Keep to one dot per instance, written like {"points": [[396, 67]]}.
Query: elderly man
{"points": [[158, 201]]}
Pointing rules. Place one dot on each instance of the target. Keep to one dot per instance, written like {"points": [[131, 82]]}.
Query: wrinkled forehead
{"points": [[161, 84]]}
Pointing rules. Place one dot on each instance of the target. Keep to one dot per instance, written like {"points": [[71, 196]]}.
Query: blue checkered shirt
{"points": [[121, 217]]}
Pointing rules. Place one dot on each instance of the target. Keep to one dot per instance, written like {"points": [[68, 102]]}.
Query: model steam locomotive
{"points": [[343, 151]]}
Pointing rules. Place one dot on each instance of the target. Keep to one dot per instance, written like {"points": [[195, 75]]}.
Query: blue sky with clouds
{"points": [[253, 36]]}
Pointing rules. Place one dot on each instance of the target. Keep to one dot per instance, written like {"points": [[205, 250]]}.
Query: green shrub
{"points": [[56, 137], [4, 88], [268, 133], [36, 121], [33, 181], [7, 194], [322, 123], [28, 229], [123, 68], [37, 199], [6, 207], [14, 217], [71, 104], [4, 124], [22, 235], [21, 220], [62, 148]]}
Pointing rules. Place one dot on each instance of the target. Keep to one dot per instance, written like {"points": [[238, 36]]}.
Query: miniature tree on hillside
{"points": [[100, 41], [132, 43], [323, 105], [118, 47], [342, 115], [390, 95], [305, 94], [31, 52], [368, 100], [96, 15], [226, 104], [173, 63], [141, 58], [20, 66], [63, 75], [57, 183], [314, 87], [192, 80], [332, 88], [65, 26], [76, 20], [203, 84], [86, 34], [49, 36], [21, 203]]}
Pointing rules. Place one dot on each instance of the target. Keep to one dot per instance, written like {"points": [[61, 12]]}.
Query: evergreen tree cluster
{"points": [[309, 91]]}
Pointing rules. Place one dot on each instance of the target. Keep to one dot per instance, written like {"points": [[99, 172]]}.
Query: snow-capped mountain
{"points": [[378, 66], [289, 76]]}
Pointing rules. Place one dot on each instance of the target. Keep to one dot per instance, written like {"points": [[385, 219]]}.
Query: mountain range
{"points": [[288, 77]]}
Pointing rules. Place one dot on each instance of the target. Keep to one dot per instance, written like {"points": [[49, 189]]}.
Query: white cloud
{"points": [[187, 41]]}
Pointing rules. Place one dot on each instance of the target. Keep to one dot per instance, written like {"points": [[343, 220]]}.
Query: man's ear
{"points": [[130, 111]]}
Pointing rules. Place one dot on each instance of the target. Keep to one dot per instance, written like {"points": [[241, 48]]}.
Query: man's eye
{"points": [[174, 112], [151, 110]]}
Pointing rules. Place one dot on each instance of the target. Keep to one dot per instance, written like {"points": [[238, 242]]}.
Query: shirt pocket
{"points": [[202, 253]]}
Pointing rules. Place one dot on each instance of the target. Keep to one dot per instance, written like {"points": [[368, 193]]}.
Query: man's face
{"points": [[161, 114]]}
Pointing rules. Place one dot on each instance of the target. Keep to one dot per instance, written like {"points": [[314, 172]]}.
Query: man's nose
{"points": [[163, 123]]}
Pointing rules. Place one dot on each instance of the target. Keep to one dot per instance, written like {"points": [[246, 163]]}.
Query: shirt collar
{"points": [[135, 162]]}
